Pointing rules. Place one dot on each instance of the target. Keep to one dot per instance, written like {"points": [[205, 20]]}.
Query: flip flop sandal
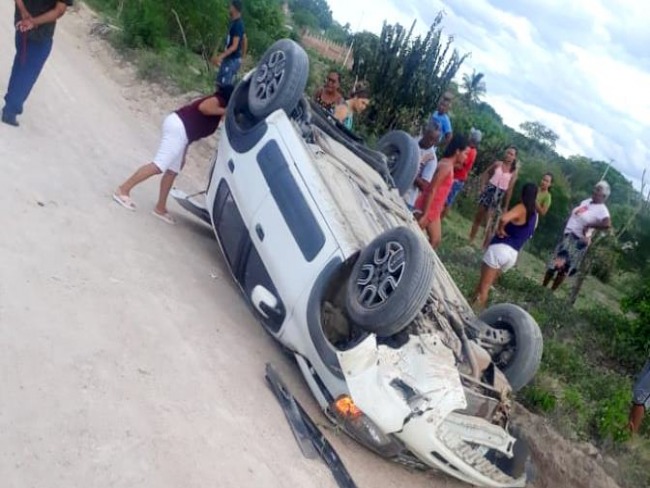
{"points": [[124, 201], [168, 219]]}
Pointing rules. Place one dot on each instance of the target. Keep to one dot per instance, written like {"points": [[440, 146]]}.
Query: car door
{"points": [[245, 262], [245, 182], [288, 229]]}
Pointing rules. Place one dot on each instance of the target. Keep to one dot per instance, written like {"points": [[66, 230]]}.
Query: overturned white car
{"points": [[313, 228]]}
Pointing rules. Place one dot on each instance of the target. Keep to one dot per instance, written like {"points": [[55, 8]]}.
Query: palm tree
{"points": [[474, 86]]}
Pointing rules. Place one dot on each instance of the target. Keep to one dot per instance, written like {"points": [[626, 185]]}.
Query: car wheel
{"points": [[279, 80], [403, 158], [519, 359], [390, 282]]}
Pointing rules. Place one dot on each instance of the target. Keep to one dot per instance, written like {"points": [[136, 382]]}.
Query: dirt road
{"points": [[127, 357]]}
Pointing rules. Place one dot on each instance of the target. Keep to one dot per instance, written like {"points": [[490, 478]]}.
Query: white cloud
{"points": [[615, 81]]}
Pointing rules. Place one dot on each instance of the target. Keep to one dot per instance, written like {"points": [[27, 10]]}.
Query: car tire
{"points": [[390, 282], [403, 158], [522, 357], [279, 80]]}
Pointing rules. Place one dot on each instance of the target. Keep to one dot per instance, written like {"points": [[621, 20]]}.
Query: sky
{"points": [[580, 67]]}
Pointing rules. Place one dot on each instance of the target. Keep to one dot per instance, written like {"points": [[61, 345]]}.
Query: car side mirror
{"points": [[267, 304]]}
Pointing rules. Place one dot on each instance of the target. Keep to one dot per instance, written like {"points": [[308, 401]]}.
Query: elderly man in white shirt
{"points": [[591, 215]]}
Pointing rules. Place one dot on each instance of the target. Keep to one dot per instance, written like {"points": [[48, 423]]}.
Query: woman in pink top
{"points": [[432, 201], [497, 191]]}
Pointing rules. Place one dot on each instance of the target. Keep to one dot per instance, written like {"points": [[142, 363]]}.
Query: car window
{"points": [[291, 202], [230, 225]]}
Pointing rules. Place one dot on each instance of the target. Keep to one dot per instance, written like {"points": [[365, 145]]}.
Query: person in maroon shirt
{"points": [[181, 128]]}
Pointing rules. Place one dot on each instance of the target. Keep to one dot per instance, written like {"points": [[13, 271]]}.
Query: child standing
{"points": [[190, 123]]}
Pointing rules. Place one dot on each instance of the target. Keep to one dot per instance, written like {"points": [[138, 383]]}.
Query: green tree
{"points": [[319, 9], [540, 133], [365, 44], [407, 76], [265, 24], [473, 86]]}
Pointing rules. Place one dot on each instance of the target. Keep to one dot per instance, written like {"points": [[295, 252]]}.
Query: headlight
{"points": [[364, 430]]}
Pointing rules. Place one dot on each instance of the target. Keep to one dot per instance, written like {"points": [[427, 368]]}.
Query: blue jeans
{"points": [[456, 188], [227, 71], [641, 391], [28, 63]]}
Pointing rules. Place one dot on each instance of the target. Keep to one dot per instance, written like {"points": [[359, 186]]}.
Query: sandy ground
{"points": [[127, 357]]}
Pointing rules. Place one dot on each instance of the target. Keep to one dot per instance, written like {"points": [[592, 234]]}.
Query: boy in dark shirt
{"points": [[229, 61], [35, 21], [181, 128]]}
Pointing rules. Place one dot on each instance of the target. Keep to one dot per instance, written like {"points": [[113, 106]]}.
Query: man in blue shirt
{"points": [[443, 119], [229, 61]]}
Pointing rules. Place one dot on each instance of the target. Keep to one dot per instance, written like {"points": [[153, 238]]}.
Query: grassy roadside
{"points": [[176, 68]]}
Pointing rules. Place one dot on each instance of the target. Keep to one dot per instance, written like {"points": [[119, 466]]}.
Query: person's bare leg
{"points": [[478, 220], [488, 277], [166, 183], [635, 418], [559, 279], [141, 174], [434, 229], [487, 228], [445, 211]]}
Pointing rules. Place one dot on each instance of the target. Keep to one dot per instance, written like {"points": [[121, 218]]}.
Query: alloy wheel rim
{"points": [[381, 275], [269, 76]]}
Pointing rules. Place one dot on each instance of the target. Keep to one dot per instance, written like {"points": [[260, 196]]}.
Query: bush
{"points": [[623, 340], [613, 404], [145, 24], [538, 399]]}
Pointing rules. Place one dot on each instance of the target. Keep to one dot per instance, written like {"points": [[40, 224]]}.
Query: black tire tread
{"points": [[406, 170], [529, 340]]}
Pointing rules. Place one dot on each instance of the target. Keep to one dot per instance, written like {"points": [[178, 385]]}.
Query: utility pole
{"points": [[611, 161], [345, 61]]}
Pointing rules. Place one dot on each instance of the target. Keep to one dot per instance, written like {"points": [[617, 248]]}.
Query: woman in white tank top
{"points": [[496, 183]]}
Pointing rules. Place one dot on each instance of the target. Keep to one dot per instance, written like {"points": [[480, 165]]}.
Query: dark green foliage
{"points": [[407, 75], [473, 87], [265, 24], [204, 23], [145, 24], [311, 13], [637, 302], [538, 399]]}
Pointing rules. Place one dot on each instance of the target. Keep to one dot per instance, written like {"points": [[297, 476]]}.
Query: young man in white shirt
{"points": [[428, 162], [591, 215]]}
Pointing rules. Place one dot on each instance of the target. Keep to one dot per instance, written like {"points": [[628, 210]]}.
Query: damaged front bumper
{"points": [[412, 399]]}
